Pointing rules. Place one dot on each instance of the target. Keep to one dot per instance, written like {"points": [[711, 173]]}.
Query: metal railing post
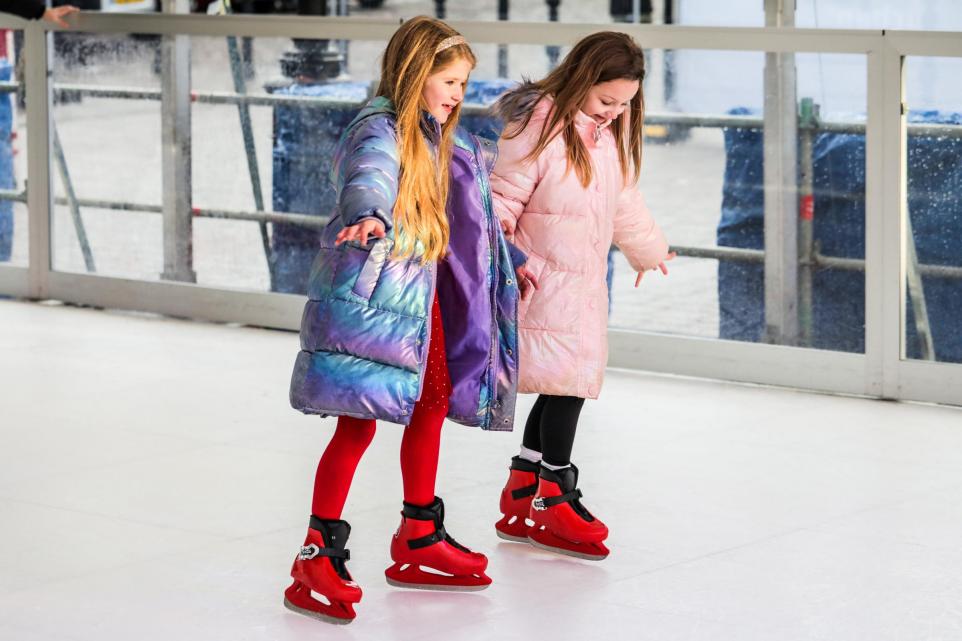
{"points": [[781, 185], [38, 52], [176, 152]]}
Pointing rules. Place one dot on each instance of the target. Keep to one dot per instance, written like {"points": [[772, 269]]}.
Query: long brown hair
{"points": [[419, 212], [600, 57]]}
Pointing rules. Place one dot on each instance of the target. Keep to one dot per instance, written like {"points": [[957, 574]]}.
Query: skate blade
{"points": [[437, 587], [298, 598], [416, 578], [320, 616], [587, 556], [512, 538]]}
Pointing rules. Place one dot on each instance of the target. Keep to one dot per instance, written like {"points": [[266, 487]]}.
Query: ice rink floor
{"points": [[155, 484]]}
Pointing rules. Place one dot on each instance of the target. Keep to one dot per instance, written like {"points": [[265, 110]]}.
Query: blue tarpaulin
{"points": [[6, 166], [934, 185]]}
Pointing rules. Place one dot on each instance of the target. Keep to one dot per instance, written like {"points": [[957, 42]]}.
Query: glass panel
{"points": [[13, 157], [270, 155], [107, 182], [703, 179], [597, 11], [826, 14], [934, 260], [288, 148]]}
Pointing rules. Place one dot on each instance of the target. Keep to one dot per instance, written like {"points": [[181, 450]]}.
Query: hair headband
{"points": [[447, 43]]}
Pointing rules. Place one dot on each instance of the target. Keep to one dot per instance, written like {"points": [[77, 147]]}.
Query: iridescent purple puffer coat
{"points": [[365, 327]]}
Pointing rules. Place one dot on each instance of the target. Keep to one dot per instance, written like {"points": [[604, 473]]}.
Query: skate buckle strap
{"points": [[312, 551], [435, 537], [544, 502], [524, 492]]}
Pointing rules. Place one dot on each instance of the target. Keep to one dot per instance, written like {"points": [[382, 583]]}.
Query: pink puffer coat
{"points": [[566, 231]]}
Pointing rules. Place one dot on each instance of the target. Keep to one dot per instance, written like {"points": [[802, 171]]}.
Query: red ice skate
{"points": [[426, 557], [320, 567], [516, 500], [561, 522]]}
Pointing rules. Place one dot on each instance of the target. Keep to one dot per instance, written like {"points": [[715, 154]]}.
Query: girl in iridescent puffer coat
{"points": [[411, 317]]}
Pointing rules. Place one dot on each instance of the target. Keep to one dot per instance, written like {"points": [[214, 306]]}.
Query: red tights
{"points": [[419, 446]]}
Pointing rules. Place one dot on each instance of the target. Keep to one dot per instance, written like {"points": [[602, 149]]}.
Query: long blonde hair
{"points": [[419, 212], [600, 57]]}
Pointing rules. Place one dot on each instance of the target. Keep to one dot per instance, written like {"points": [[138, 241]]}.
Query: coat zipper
{"points": [[493, 274]]}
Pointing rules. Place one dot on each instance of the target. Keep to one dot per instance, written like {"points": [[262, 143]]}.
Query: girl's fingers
{"points": [[533, 281], [526, 277], [638, 278], [663, 268], [530, 286], [346, 234], [371, 229], [360, 232], [671, 255]]}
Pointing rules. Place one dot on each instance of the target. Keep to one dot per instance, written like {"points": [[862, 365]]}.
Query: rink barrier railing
{"points": [[689, 120], [881, 371]]}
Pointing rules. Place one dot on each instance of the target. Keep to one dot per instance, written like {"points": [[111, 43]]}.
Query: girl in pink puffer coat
{"points": [[565, 188]]}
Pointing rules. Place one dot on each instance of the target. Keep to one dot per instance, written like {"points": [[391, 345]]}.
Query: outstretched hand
{"points": [[360, 232], [56, 15], [661, 266]]}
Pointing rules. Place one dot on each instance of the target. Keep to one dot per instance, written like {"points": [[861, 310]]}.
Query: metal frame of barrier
{"points": [[882, 371]]}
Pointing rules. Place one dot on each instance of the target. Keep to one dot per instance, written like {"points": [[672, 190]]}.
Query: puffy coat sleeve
{"points": [[515, 179], [636, 234], [26, 9], [367, 171]]}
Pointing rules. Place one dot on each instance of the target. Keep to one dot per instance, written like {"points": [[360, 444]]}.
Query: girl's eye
{"points": [[606, 104]]}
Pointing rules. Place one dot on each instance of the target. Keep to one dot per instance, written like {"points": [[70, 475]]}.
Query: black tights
{"points": [[551, 427]]}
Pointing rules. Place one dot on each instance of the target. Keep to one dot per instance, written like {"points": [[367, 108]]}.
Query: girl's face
{"points": [[607, 100], [444, 89]]}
